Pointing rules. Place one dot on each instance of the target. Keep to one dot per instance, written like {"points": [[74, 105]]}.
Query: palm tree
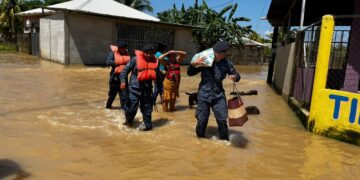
{"points": [[9, 23], [141, 5]]}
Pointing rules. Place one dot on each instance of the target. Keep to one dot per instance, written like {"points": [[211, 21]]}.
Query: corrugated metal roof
{"points": [[250, 42], [103, 7], [37, 11]]}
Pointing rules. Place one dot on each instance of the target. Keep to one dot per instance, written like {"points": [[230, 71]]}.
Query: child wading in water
{"points": [[172, 78]]}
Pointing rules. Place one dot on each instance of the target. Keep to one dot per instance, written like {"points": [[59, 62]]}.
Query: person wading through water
{"points": [[144, 71], [211, 92], [117, 59], [172, 77], [159, 51]]}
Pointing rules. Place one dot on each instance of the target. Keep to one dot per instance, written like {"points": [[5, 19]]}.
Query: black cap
{"points": [[148, 47], [121, 44], [220, 46]]}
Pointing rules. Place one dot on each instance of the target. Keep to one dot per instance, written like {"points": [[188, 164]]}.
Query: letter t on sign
{"points": [[338, 100]]}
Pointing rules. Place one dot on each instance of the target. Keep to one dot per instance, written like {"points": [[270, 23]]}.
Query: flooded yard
{"points": [[53, 125]]}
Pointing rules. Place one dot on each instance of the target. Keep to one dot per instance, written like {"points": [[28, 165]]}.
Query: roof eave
{"points": [[22, 14], [122, 17]]}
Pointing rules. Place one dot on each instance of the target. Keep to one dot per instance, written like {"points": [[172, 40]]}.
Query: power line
{"points": [[222, 4], [262, 12]]}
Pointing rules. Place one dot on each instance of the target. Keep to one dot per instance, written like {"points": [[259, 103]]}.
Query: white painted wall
{"points": [[52, 38], [284, 68]]}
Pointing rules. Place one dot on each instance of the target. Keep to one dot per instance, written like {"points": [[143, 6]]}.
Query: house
{"points": [[249, 52], [80, 31], [294, 62], [319, 72]]}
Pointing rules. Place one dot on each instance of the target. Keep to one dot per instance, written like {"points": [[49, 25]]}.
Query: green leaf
{"points": [[204, 5], [233, 10], [240, 19], [223, 11]]}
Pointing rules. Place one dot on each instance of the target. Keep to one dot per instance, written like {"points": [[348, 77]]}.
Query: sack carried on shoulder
{"points": [[236, 110], [209, 57]]}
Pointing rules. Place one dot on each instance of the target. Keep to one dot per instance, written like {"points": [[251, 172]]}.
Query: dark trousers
{"points": [[219, 108], [145, 100], [114, 89], [161, 88]]}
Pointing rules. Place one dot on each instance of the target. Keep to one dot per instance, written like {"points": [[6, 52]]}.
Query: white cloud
{"points": [[267, 32]]}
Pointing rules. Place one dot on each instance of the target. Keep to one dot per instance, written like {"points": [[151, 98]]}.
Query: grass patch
{"points": [[8, 47]]}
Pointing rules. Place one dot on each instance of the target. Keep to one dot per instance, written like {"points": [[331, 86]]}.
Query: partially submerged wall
{"points": [[52, 38], [88, 39], [184, 42], [284, 68]]}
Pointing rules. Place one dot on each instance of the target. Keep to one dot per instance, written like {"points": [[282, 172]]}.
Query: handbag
{"points": [[236, 110]]}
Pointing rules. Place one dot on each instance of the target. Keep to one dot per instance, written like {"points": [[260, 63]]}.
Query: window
{"points": [[137, 36]]}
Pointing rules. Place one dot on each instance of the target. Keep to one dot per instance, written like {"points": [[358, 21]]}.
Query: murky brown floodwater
{"points": [[54, 125]]}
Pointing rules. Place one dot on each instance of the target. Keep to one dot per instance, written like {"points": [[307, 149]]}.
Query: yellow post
{"points": [[322, 61]]}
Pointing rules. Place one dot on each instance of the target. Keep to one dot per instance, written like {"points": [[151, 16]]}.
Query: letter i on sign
{"points": [[353, 111]]}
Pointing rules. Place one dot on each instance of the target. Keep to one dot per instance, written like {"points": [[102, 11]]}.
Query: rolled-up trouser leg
{"points": [[113, 90], [146, 107], [202, 116], [124, 97], [132, 106], [219, 108]]}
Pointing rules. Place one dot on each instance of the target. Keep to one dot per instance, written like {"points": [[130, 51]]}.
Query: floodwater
{"points": [[53, 125]]}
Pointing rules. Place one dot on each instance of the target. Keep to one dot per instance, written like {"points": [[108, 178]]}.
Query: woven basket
{"points": [[236, 110]]}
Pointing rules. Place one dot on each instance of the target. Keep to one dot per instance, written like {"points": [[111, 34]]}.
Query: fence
{"points": [[307, 43], [28, 43], [346, 53], [306, 54], [334, 102], [23, 43]]}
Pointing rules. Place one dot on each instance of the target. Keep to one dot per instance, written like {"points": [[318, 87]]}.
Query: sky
{"points": [[253, 9]]}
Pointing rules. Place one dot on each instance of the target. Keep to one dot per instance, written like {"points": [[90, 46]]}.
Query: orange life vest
{"points": [[146, 69], [120, 60]]}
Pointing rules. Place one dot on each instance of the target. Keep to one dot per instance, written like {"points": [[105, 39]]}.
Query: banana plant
{"points": [[9, 23], [212, 25]]}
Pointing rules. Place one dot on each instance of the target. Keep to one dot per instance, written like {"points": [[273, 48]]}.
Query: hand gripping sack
{"points": [[236, 110], [209, 57]]}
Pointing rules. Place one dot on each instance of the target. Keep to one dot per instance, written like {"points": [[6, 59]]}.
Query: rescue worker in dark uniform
{"points": [[144, 71], [211, 92], [117, 59]]}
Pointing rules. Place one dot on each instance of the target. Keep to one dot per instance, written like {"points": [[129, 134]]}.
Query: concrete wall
{"points": [[284, 68], [89, 38], [246, 55], [52, 38], [183, 41], [71, 38], [290, 71]]}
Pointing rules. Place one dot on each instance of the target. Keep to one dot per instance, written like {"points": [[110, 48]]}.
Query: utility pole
{"points": [[302, 14]]}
